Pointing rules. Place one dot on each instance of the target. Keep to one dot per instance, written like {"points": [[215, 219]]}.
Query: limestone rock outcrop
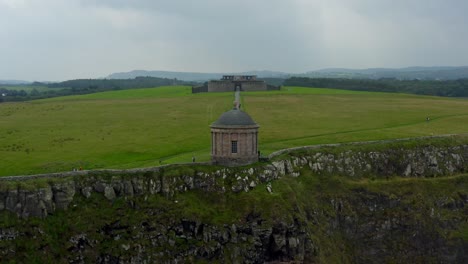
{"points": [[367, 225]]}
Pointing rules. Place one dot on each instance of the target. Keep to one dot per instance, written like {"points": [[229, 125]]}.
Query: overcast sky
{"points": [[67, 39]]}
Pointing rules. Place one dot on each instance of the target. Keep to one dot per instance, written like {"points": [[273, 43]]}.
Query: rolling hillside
{"points": [[149, 127]]}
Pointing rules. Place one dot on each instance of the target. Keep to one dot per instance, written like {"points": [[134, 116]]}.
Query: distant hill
{"points": [[409, 73], [191, 76]]}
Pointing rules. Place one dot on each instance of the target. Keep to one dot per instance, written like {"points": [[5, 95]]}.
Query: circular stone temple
{"points": [[234, 139]]}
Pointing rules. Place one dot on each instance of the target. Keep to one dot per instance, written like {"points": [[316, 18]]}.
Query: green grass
{"points": [[148, 127]]}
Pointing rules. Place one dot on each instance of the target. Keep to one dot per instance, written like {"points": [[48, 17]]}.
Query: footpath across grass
{"points": [[149, 127]]}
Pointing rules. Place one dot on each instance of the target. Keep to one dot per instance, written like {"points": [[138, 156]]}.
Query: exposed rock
{"points": [[426, 161], [8, 234], [252, 184], [125, 247], [280, 166], [63, 194], [128, 188], [99, 187], [365, 223], [268, 187], [237, 188], [138, 186], [109, 193], [86, 191]]}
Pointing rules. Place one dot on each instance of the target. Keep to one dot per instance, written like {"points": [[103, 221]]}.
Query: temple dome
{"points": [[234, 117]]}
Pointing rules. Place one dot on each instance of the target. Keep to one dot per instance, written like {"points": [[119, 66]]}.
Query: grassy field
{"points": [[148, 127]]}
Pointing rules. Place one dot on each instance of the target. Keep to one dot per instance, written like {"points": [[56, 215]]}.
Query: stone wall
{"points": [[228, 86], [220, 86], [254, 86], [200, 89]]}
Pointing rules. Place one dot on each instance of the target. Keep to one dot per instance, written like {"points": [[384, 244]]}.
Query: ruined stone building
{"points": [[230, 83]]}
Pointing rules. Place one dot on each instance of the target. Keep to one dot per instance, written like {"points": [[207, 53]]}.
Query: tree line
{"points": [[85, 86], [448, 88], [98, 85]]}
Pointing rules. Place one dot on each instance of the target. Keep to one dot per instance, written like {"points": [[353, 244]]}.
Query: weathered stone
{"points": [[128, 188], [154, 186], [280, 166], [237, 188], [8, 234], [125, 247], [32, 206], [252, 184], [138, 186], [63, 194], [293, 242], [316, 167], [189, 183], [109, 192], [117, 186], [99, 187], [86, 191], [407, 171], [11, 200], [45, 195]]}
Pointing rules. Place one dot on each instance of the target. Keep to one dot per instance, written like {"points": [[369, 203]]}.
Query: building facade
{"points": [[229, 83], [234, 139]]}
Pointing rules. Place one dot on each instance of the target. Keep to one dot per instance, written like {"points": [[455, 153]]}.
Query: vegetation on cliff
{"points": [[397, 220], [303, 207]]}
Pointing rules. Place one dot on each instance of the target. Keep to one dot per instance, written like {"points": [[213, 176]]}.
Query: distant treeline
{"points": [[15, 95], [273, 81], [99, 85], [84, 86], [449, 88]]}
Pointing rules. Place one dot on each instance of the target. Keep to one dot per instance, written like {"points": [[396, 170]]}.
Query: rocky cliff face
{"points": [[324, 205]]}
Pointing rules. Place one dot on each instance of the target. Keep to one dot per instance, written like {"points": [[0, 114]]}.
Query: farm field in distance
{"points": [[149, 127]]}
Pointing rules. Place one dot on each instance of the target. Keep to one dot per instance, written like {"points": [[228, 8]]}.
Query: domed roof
{"points": [[234, 117]]}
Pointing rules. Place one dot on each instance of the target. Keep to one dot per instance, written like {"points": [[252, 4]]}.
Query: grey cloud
{"points": [[56, 40]]}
